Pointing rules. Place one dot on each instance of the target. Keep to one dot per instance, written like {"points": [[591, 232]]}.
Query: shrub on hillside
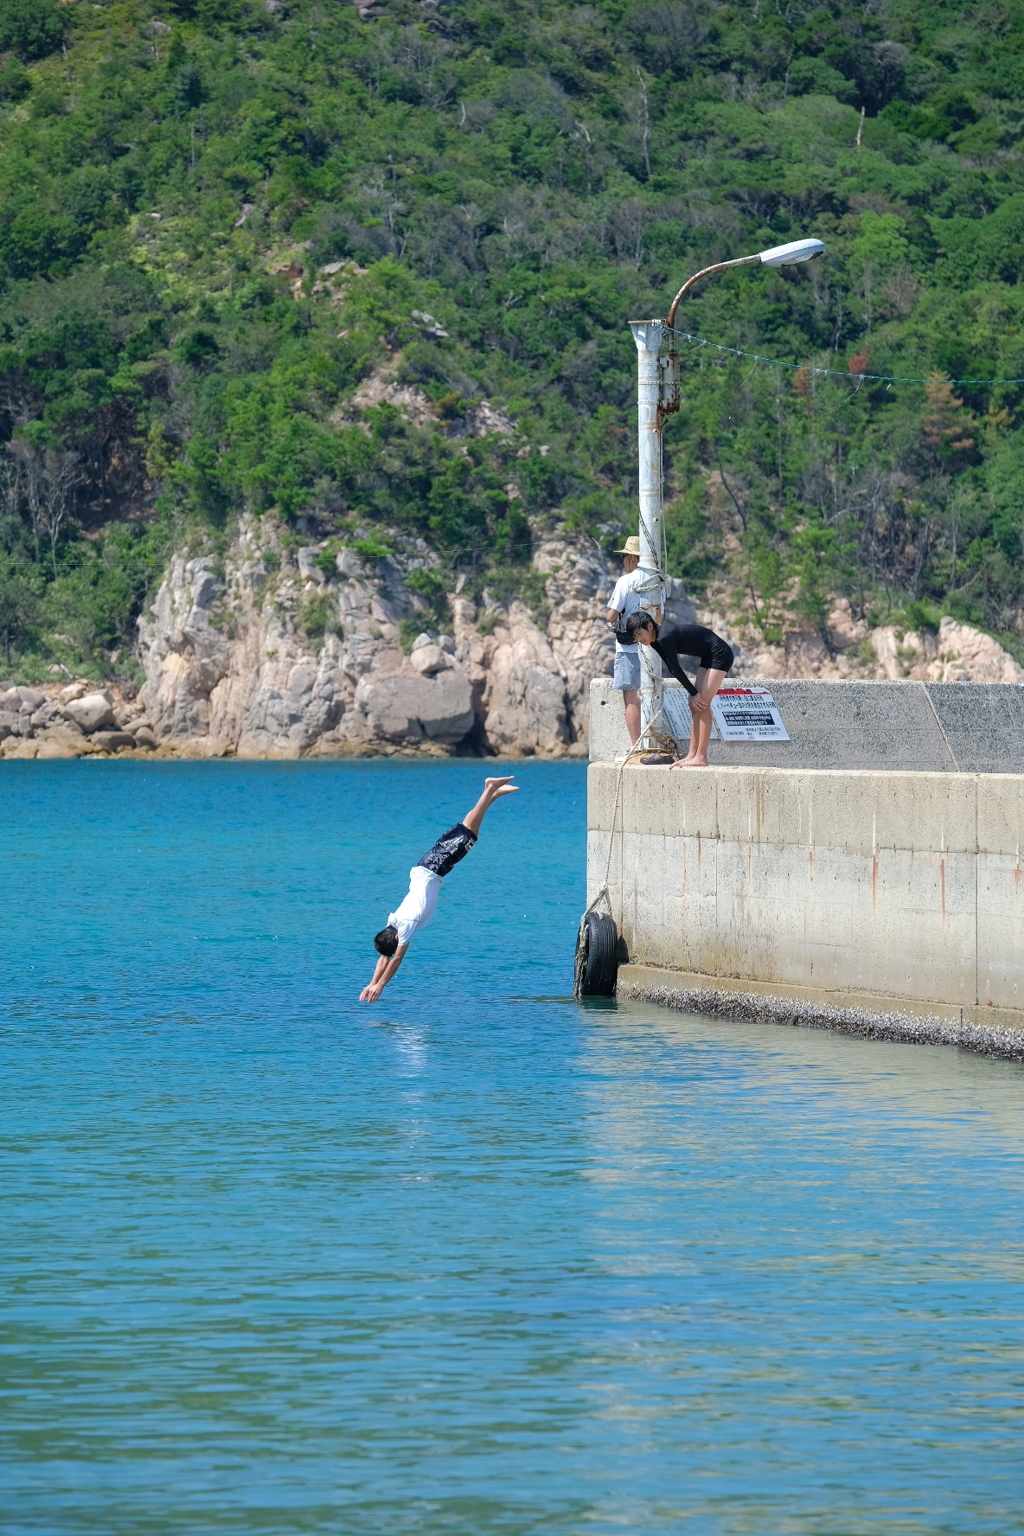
{"points": [[30, 29]]}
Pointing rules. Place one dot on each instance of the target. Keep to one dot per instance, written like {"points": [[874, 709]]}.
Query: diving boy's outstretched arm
{"points": [[385, 968]]}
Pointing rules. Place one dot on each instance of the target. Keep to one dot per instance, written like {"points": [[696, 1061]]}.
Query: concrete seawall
{"points": [[886, 903]]}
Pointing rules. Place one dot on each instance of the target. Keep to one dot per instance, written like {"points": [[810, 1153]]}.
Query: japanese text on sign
{"points": [[747, 714]]}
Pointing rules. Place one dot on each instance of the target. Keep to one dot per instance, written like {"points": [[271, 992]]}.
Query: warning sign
{"points": [[747, 714], [677, 713]]}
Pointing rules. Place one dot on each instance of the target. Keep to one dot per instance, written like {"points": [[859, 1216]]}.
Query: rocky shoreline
{"points": [[77, 720], [288, 649], [320, 650]]}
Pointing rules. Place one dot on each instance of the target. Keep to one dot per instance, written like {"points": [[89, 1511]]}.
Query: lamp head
{"points": [[790, 255]]}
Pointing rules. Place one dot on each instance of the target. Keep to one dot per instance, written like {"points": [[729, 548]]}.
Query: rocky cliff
{"points": [[289, 649], [315, 650], [953, 653]]}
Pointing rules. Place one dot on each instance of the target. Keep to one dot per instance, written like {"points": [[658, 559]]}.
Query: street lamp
{"points": [[658, 397]]}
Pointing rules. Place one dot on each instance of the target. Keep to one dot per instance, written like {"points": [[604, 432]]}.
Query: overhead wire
{"points": [[835, 373]]}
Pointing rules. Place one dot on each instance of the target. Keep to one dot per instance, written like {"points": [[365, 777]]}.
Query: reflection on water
{"points": [[476, 1260]]}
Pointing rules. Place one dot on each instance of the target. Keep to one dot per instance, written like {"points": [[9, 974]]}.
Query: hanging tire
{"points": [[597, 963]]}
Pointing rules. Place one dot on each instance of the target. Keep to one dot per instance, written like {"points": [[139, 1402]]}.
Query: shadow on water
{"points": [[585, 1003]]}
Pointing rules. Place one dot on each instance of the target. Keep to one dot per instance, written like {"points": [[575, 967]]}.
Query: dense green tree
{"points": [[31, 29]]}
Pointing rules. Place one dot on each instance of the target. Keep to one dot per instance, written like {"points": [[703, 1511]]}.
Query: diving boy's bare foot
{"points": [[493, 790], [497, 787]]}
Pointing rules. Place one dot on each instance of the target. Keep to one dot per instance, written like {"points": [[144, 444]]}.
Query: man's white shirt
{"points": [[625, 601], [418, 907]]}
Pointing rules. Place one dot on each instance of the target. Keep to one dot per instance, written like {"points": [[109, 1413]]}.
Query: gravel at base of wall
{"points": [[904, 1028]]}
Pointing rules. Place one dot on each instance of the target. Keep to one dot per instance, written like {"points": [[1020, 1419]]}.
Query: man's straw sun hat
{"points": [[631, 547]]}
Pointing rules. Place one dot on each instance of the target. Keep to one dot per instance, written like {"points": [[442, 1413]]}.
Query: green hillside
{"points": [[497, 189]]}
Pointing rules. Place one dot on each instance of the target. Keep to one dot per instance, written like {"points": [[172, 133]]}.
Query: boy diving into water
{"points": [[425, 886]]}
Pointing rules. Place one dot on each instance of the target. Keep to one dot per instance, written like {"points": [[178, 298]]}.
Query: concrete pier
{"points": [[888, 903], [916, 727]]}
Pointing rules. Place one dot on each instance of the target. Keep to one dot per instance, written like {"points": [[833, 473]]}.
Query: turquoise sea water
{"points": [[473, 1260]]}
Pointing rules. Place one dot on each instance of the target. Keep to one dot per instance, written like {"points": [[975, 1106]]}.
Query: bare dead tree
{"points": [[62, 475], [25, 484], [645, 123], [43, 482]]}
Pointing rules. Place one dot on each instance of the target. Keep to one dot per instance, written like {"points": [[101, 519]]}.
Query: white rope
{"points": [[603, 892], [670, 745]]}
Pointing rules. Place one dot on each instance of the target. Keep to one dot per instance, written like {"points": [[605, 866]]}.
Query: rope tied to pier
{"points": [[602, 895], [669, 744]]}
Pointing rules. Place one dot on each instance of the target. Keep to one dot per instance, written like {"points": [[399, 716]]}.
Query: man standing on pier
{"points": [[623, 602], [425, 886]]}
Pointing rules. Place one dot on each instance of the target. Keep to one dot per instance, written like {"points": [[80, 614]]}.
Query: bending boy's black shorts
{"points": [[717, 654], [450, 847]]}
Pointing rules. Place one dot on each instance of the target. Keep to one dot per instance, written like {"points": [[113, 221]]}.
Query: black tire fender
{"points": [[597, 962]]}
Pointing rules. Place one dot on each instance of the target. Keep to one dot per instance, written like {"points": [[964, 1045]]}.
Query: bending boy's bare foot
{"points": [[682, 762], [695, 762]]}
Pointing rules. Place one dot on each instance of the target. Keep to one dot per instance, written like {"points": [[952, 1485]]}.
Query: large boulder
{"points": [[409, 709], [429, 659], [66, 742], [309, 570], [525, 698], [94, 712], [18, 746], [966, 655], [112, 741]]}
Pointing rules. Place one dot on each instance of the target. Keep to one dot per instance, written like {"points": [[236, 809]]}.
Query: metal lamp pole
{"points": [[657, 397]]}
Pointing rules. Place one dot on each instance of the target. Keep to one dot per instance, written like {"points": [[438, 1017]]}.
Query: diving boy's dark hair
{"points": [[640, 620], [386, 942]]}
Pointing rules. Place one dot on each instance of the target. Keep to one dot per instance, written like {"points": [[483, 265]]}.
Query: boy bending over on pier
{"points": [[672, 641], [425, 886]]}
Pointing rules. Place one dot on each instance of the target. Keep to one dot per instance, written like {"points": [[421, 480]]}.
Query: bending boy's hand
{"points": [[698, 705]]}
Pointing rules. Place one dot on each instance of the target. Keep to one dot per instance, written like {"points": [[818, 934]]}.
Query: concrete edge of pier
{"points": [[987, 1031], [893, 726]]}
